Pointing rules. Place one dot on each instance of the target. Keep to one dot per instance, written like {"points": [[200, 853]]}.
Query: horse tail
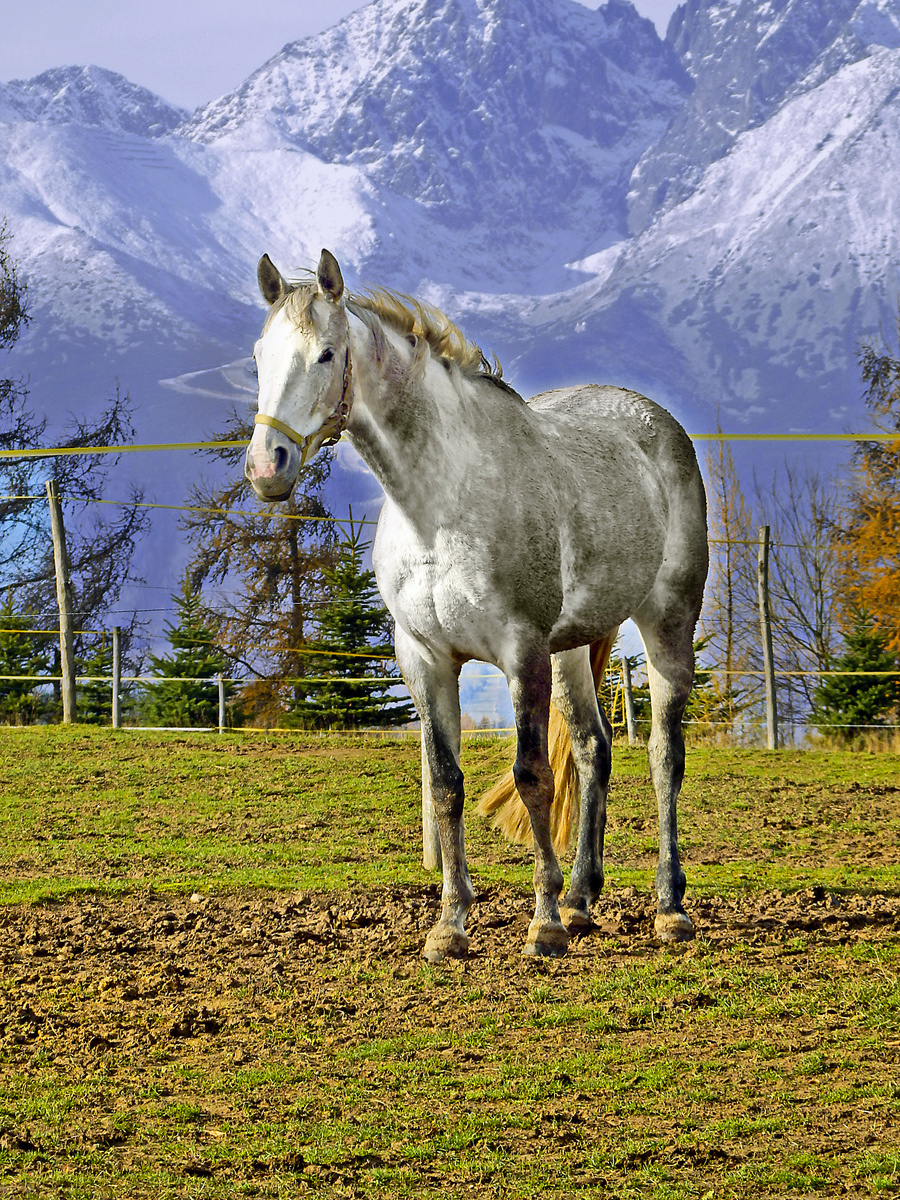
{"points": [[502, 801]]}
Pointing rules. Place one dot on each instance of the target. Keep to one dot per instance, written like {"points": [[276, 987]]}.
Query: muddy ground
{"points": [[124, 989]]}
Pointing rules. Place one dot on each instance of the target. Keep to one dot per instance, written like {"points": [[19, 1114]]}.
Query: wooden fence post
{"points": [[629, 701], [431, 842], [64, 601], [762, 579], [117, 676]]}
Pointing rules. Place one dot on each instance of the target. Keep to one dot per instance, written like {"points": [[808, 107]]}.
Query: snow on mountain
{"points": [[89, 96], [506, 119], [482, 153], [747, 58]]}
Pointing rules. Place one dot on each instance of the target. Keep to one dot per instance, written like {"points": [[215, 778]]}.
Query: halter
{"points": [[333, 427]]}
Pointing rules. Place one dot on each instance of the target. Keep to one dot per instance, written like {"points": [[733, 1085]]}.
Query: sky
{"points": [[187, 51]]}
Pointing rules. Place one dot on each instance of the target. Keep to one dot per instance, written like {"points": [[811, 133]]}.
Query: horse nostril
{"points": [[281, 459]]}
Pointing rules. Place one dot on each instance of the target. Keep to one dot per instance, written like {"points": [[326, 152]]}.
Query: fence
{"points": [[622, 698]]}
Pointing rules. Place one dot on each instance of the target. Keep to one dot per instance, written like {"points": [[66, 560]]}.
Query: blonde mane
{"points": [[413, 319]]}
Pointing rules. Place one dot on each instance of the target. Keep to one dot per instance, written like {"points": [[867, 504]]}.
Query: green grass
{"points": [[760, 1064], [93, 809]]}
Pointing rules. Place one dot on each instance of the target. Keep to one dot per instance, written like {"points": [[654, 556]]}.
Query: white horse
{"points": [[515, 533]]}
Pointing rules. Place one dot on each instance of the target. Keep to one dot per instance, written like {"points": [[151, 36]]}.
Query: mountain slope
{"points": [[533, 111], [747, 58]]}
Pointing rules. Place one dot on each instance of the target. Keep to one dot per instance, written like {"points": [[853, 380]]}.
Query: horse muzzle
{"points": [[272, 465]]}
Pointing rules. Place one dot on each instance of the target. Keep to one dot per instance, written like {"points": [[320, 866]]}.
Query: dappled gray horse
{"points": [[514, 533]]}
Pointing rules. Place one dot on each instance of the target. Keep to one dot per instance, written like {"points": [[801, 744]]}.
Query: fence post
{"points": [[629, 700], [762, 579], [431, 842], [221, 681], [64, 601], [116, 676]]}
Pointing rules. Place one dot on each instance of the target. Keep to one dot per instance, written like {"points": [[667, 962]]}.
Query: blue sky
{"points": [[188, 51]]}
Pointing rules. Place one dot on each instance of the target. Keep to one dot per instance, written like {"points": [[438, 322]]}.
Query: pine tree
{"points": [[94, 696], [22, 654], [192, 696], [865, 696], [351, 646]]}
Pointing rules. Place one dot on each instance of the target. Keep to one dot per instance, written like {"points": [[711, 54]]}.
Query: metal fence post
{"points": [[221, 681]]}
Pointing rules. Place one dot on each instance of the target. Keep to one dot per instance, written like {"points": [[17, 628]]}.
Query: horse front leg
{"points": [[530, 692], [434, 687]]}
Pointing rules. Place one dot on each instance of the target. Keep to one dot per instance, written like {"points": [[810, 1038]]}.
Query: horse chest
{"points": [[445, 601]]}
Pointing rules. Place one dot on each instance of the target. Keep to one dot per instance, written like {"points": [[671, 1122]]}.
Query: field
{"points": [[211, 981]]}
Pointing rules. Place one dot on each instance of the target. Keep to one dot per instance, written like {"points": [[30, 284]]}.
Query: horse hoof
{"points": [[673, 927], [546, 941], [576, 919], [445, 941]]}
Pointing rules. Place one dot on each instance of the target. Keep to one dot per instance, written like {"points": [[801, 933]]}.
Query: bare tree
{"points": [[802, 507], [729, 622]]}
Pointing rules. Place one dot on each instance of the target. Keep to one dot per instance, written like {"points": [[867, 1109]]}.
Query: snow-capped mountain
{"points": [[747, 58], [489, 155], [475, 108]]}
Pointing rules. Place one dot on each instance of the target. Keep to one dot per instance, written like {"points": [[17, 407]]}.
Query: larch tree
{"points": [[870, 544], [100, 546], [268, 564]]}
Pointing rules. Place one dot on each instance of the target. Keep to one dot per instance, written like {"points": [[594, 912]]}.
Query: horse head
{"points": [[303, 365]]}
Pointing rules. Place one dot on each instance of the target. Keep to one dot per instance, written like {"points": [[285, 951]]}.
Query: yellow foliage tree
{"points": [[870, 546]]}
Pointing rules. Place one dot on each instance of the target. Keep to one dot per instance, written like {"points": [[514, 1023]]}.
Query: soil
{"points": [[148, 978]]}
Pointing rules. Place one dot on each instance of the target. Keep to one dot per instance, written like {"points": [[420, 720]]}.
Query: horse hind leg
{"points": [[670, 670], [575, 677], [530, 691], [434, 688]]}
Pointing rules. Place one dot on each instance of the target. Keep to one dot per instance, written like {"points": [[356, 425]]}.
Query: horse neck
{"points": [[408, 422]]}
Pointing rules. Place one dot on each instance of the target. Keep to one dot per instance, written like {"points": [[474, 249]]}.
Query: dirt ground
{"points": [[213, 982]]}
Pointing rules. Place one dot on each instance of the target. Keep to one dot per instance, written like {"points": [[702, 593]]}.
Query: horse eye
{"points": [[326, 356]]}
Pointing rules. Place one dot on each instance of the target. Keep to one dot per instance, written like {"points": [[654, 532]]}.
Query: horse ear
{"points": [[271, 282], [331, 282]]}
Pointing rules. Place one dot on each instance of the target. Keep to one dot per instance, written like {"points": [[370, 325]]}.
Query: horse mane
{"points": [[416, 320]]}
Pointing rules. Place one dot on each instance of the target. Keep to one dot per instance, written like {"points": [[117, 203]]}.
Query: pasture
{"points": [[211, 981]]}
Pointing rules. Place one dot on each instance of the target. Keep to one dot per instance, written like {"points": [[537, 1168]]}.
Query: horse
{"points": [[516, 533]]}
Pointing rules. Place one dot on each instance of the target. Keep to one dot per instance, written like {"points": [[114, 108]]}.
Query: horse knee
{"points": [[534, 781]]}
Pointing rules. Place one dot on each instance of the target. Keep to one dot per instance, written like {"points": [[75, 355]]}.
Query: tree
{"points": [[352, 643], [268, 564], [870, 547], [94, 694], [866, 694], [802, 508], [730, 621], [191, 695], [101, 546], [22, 654]]}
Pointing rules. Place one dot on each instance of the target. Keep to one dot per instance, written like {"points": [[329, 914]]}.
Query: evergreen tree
{"points": [[22, 654], [353, 640], [94, 696], [191, 697], [860, 699]]}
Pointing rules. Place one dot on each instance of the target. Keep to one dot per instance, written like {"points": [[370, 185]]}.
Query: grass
{"points": [[759, 1063], [93, 809]]}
